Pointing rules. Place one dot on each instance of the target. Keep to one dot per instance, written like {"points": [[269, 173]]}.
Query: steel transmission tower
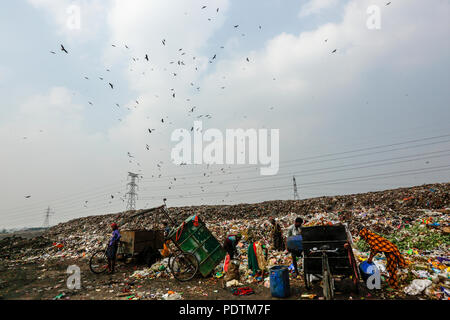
{"points": [[296, 197], [47, 218], [132, 188]]}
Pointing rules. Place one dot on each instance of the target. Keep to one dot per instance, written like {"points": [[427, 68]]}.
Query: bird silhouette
{"points": [[64, 49], [111, 85]]}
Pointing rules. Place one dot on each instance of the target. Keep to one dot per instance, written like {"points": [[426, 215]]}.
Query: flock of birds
{"points": [[180, 63]]}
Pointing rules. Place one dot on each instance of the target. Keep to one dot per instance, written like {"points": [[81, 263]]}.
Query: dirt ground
{"points": [[47, 280]]}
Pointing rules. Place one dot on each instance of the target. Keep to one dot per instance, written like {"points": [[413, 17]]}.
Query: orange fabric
{"points": [[165, 251], [196, 221], [393, 256], [227, 262]]}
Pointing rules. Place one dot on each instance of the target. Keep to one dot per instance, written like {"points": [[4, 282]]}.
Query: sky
{"points": [[357, 89]]}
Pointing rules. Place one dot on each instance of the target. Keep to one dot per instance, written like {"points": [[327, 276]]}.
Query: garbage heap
{"points": [[416, 219]]}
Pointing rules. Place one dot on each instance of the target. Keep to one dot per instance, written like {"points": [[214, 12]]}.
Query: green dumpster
{"points": [[199, 241]]}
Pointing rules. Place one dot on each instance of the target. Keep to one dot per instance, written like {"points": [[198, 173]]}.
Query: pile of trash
{"points": [[415, 219]]}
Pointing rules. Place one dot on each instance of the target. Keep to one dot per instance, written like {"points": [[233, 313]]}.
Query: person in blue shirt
{"points": [[112, 247]]}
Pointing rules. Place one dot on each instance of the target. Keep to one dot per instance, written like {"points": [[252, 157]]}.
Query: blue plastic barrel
{"points": [[295, 243], [365, 274], [279, 282]]}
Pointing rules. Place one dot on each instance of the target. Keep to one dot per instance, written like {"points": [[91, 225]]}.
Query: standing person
{"points": [[230, 244], [379, 244], [293, 231], [112, 247], [276, 235]]}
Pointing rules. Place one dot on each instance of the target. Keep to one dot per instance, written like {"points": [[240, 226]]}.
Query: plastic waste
{"points": [[417, 286]]}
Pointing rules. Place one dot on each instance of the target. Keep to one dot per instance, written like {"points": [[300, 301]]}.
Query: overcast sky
{"points": [[370, 116]]}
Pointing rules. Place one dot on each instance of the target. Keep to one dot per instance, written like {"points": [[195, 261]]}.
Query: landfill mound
{"points": [[383, 211], [415, 219]]}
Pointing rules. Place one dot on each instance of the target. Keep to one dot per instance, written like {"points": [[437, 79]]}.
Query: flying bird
{"points": [[53, 52], [27, 197], [63, 49], [248, 60], [146, 57], [334, 51], [163, 41], [203, 7], [111, 85]]}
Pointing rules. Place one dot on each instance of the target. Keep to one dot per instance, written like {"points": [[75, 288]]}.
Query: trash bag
{"points": [[417, 286], [233, 271]]}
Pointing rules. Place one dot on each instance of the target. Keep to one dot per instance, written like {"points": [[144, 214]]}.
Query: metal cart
{"points": [[327, 252]]}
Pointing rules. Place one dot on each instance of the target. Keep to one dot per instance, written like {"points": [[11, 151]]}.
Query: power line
{"points": [[327, 182]]}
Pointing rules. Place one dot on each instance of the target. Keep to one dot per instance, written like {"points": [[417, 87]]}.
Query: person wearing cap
{"points": [[276, 235], [112, 247]]}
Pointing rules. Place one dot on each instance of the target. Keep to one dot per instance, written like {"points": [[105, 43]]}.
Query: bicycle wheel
{"points": [[98, 262], [184, 266]]}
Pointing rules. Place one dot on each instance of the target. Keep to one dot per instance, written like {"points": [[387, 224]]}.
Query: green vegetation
{"points": [[413, 237], [418, 237]]}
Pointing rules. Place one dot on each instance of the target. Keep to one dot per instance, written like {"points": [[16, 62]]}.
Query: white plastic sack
{"points": [[417, 286]]}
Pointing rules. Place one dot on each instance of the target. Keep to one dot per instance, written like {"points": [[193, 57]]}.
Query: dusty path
{"points": [[46, 280]]}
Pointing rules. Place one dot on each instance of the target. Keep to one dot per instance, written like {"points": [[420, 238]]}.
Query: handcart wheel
{"points": [[327, 285], [99, 262], [184, 266], [327, 279]]}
